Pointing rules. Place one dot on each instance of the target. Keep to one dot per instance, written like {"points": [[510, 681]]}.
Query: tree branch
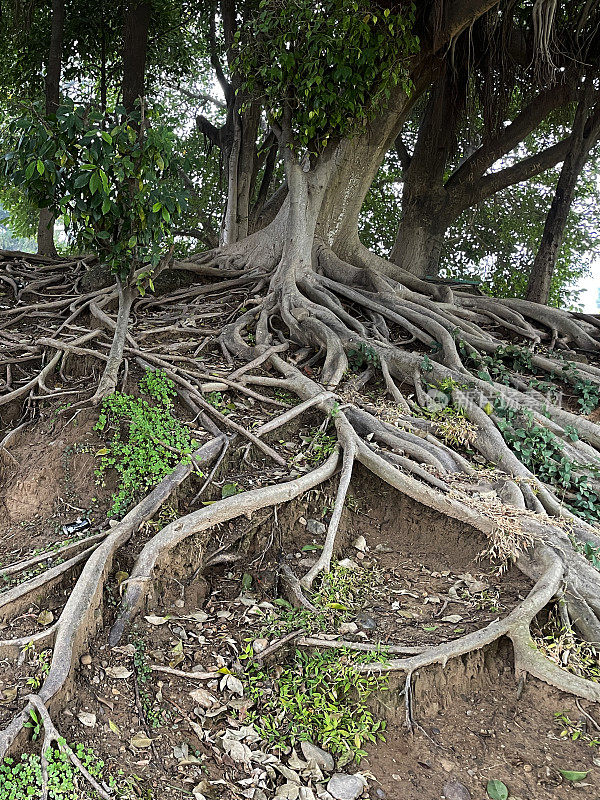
{"points": [[524, 123], [516, 173]]}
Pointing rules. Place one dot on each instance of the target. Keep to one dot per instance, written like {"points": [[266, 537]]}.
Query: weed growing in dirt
{"points": [[320, 445], [22, 779], [219, 402], [147, 440], [575, 730], [317, 697], [41, 662], [155, 716], [363, 356], [338, 595]]}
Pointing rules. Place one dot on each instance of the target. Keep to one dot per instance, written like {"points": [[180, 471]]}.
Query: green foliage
{"points": [[22, 779], [338, 595], [321, 445], [330, 65], [575, 731], [147, 440], [155, 715], [587, 391], [219, 402], [318, 697], [543, 453], [363, 356], [111, 179]]}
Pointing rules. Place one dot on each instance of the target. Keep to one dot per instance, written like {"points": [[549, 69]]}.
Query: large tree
{"points": [[336, 81]]}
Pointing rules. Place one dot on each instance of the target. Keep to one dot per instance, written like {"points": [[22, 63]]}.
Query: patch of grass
{"points": [[317, 697], [147, 441], [21, 779]]}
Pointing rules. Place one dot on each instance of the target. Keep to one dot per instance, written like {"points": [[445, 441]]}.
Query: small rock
{"points": [[348, 627], [258, 645], [315, 528], [382, 548], [381, 794], [347, 563], [365, 621], [360, 543], [86, 659], [345, 787], [527, 767], [446, 765], [313, 753], [453, 790]]}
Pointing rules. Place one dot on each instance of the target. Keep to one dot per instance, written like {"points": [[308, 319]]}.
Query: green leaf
{"points": [[496, 790], [156, 207], [40, 166], [573, 775]]}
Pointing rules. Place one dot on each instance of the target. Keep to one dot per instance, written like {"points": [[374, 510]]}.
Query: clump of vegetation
{"points": [[147, 442], [317, 697], [338, 595], [155, 716], [22, 779], [320, 445], [363, 356], [561, 646], [543, 453], [575, 730]]}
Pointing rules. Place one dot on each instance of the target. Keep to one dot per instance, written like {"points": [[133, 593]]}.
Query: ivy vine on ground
{"points": [[147, 440]]}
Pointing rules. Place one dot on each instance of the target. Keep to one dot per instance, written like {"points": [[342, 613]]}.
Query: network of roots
{"points": [[481, 409]]}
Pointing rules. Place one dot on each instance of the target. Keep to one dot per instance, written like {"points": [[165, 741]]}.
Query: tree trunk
{"points": [[586, 131], [45, 233], [421, 230], [135, 45], [419, 243]]}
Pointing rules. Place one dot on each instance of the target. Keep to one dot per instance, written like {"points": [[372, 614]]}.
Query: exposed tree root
{"points": [[420, 338]]}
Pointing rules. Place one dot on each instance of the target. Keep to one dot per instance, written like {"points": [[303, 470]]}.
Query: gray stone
{"points": [[313, 753], [453, 790], [381, 794], [345, 787], [315, 528], [365, 621]]}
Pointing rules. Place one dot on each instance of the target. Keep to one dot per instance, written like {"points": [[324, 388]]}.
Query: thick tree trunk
{"points": [[239, 152], [45, 233], [136, 23], [419, 243], [421, 230], [586, 131]]}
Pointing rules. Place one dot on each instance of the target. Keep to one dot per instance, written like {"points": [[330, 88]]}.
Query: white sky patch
{"points": [[590, 296]]}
